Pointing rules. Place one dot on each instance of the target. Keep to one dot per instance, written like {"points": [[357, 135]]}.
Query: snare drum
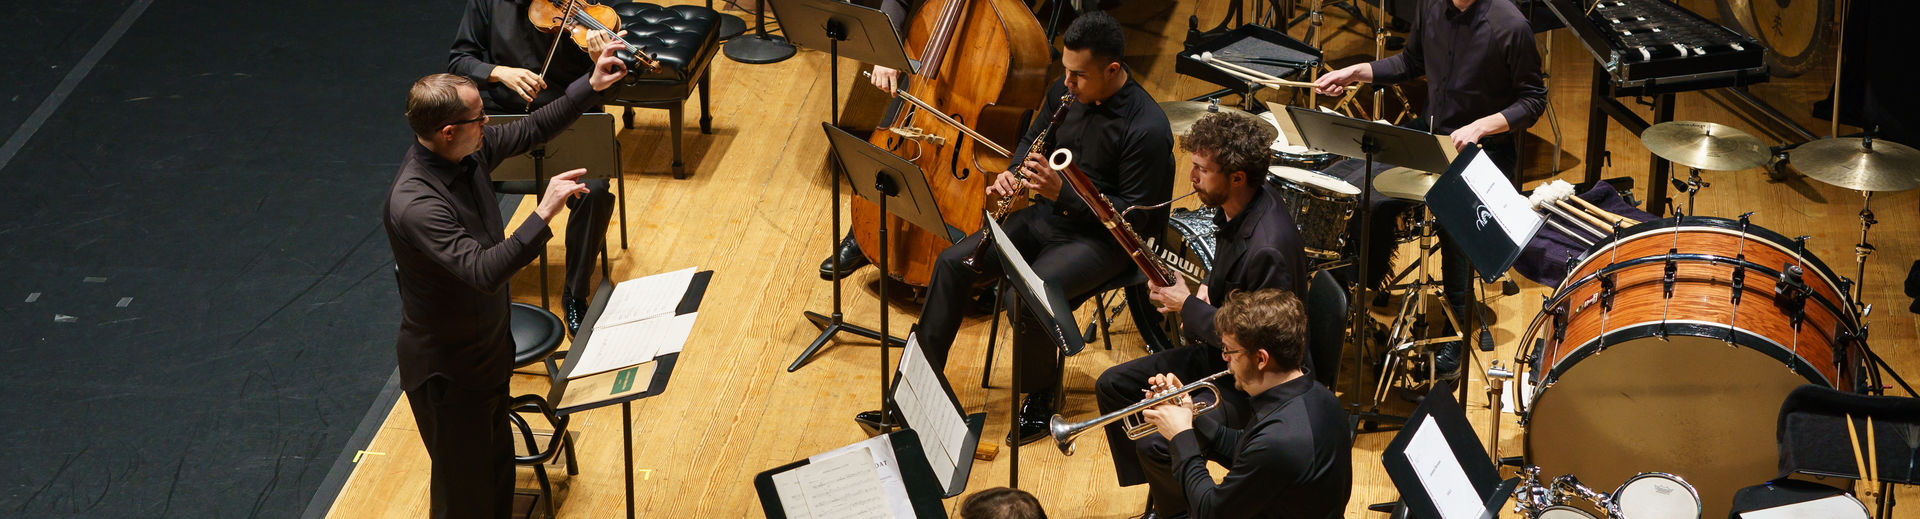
{"points": [[1669, 347], [1321, 205], [1655, 495], [1295, 156], [1564, 512]]}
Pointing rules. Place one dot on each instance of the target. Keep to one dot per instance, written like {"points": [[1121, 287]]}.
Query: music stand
{"points": [[861, 29], [1436, 464], [588, 143], [878, 175], [1049, 306], [758, 48], [1372, 142]]}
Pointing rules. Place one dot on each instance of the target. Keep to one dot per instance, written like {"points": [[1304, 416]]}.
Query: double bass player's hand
{"points": [[885, 79]]}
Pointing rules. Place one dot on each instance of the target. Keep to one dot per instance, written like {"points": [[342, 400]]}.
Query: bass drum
{"points": [[1667, 349], [1189, 247], [1796, 32]]}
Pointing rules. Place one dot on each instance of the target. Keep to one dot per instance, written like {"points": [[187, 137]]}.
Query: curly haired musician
{"points": [[1259, 248], [1294, 458]]}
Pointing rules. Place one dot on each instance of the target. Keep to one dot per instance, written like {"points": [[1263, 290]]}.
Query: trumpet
{"points": [[1137, 428]]}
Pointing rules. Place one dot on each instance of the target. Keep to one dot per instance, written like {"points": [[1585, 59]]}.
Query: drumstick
{"points": [[1853, 436], [1569, 232], [1603, 213], [1252, 75], [1591, 219], [1873, 460]]}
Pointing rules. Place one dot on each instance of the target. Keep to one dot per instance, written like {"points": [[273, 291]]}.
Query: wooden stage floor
{"points": [[754, 211]]}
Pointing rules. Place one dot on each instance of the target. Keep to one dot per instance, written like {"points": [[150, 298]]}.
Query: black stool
{"points": [[683, 39], [536, 334]]}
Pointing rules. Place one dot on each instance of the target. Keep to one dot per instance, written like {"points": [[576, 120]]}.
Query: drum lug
{"points": [[1666, 279], [1739, 276], [1559, 324], [1790, 293], [1606, 292]]}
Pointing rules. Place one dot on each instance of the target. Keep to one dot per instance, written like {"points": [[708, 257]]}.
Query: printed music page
{"points": [[1504, 204], [1025, 271], [1823, 508], [884, 467], [924, 404], [841, 485], [646, 298], [1440, 472], [633, 343]]}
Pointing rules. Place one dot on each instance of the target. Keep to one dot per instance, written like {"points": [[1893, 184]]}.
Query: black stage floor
{"points": [[197, 294]]}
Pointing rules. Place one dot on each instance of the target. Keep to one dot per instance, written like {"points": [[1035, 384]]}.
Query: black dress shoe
{"points": [[1446, 361], [576, 309], [1035, 412], [870, 422], [850, 260]]}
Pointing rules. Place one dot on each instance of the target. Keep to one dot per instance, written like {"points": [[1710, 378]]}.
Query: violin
{"points": [[582, 21]]}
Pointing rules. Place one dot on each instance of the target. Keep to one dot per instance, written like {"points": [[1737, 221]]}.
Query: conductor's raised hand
{"points": [[560, 188], [608, 69], [1041, 177]]}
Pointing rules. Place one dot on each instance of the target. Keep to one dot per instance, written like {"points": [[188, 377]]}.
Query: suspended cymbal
{"points": [[1859, 164], [1708, 146], [1184, 114], [1405, 184]]}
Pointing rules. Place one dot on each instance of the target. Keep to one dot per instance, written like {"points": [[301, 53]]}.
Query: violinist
{"points": [[1121, 139], [497, 47]]}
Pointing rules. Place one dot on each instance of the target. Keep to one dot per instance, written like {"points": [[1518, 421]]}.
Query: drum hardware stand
{"points": [[1693, 184], [1410, 321], [1497, 377], [1862, 250]]}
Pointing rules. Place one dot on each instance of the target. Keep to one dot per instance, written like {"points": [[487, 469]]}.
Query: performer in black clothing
{"points": [[498, 48], [1122, 141], [1483, 86], [1294, 459], [453, 257], [1259, 248]]}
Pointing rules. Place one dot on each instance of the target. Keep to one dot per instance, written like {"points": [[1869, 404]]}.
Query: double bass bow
{"points": [[982, 65]]}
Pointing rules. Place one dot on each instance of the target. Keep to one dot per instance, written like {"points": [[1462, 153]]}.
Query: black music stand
{"points": [[868, 37], [758, 48], [1053, 311], [588, 143], [1437, 456], [1372, 142], [963, 468], [878, 175]]}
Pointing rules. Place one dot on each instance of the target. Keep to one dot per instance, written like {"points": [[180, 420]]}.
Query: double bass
{"points": [[983, 63]]}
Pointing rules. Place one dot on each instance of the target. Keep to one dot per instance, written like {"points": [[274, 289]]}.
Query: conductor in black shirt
{"points": [[1294, 459], [498, 48], [1259, 248], [454, 258], [1483, 87]]}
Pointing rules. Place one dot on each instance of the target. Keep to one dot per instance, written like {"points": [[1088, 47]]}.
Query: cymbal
{"points": [[1184, 114], [1859, 164], [1707, 146], [1405, 184]]}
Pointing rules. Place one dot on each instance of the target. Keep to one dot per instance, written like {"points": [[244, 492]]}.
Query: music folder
{"points": [[831, 484], [926, 403], [1478, 206], [1436, 464], [1046, 302], [570, 394]]}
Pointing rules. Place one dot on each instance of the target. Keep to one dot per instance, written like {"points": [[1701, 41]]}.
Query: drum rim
{"points": [[1582, 511], [1615, 504], [1319, 180], [1717, 224], [1671, 327]]}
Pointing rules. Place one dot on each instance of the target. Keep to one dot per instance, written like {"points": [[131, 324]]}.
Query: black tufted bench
{"points": [[683, 38]]}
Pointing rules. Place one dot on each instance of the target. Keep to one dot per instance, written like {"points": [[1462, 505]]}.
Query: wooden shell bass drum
{"points": [[1668, 350], [984, 63], [1796, 32]]}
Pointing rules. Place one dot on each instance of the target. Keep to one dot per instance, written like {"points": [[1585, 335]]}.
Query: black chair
{"points": [[536, 334], [538, 456], [1326, 308], [683, 39]]}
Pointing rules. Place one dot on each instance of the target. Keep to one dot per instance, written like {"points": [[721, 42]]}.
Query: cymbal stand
{"points": [[1693, 184], [1863, 249], [1408, 333]]}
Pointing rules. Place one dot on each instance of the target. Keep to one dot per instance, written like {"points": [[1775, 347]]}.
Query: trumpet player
{"points": [[1258, 246], [1123, 142], [1294, 458]]}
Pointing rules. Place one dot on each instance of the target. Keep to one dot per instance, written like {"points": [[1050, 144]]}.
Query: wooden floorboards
{"points": [[754, 210]]}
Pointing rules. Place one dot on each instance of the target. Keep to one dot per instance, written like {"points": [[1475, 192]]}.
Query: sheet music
{"points": [[1823, 508], [1025, 271], [1440, 473], [1502, 203], [836, 486], [631, 344], [885, 467], [936, 418], [653, 296]]}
